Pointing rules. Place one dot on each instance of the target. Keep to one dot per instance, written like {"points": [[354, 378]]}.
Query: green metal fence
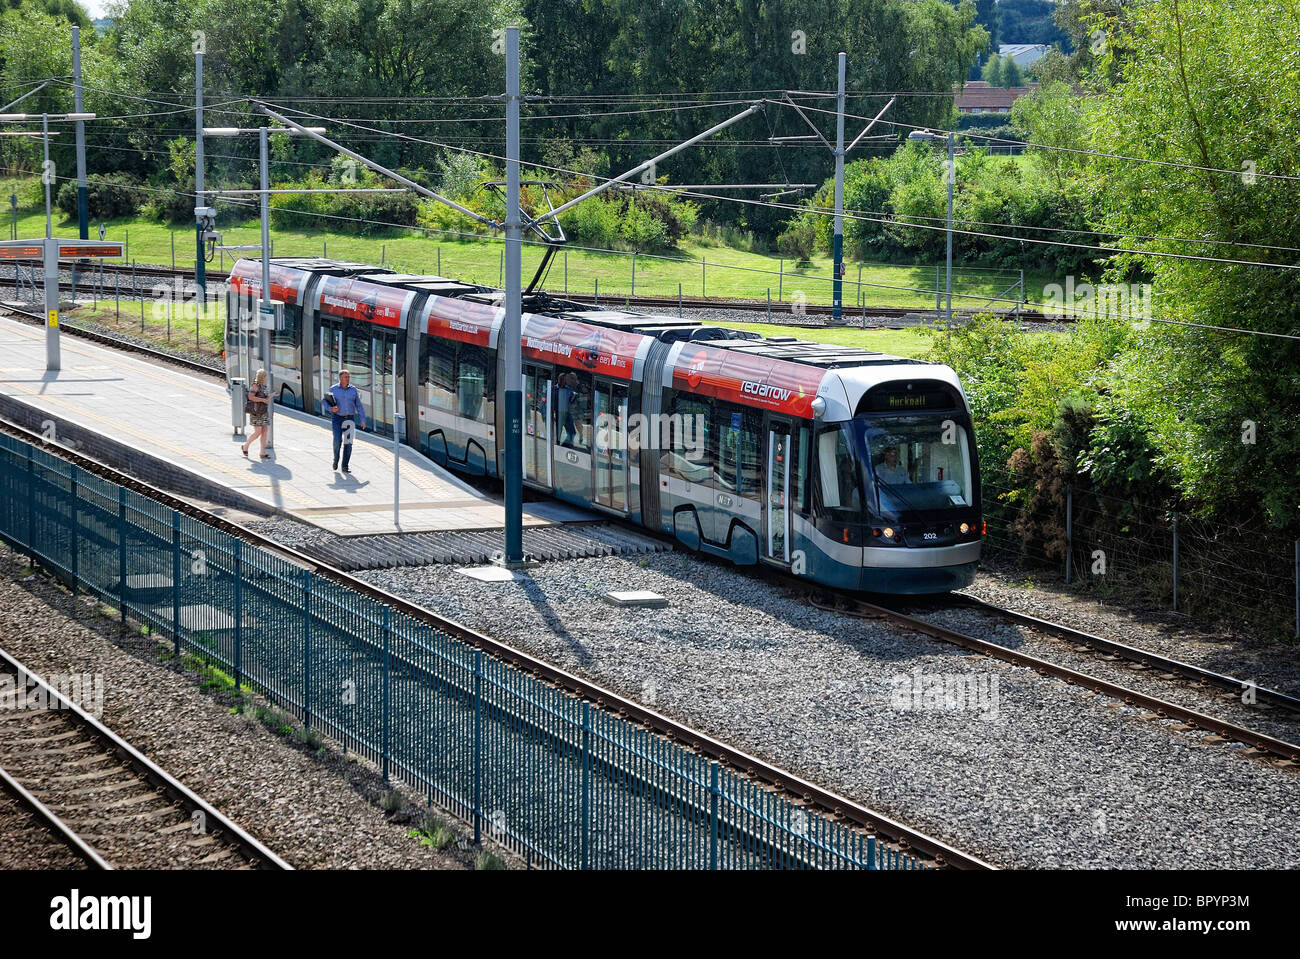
{"points": [[560, 781]]}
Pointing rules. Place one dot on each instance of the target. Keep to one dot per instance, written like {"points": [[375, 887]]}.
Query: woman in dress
{"points": [[260, 419]]}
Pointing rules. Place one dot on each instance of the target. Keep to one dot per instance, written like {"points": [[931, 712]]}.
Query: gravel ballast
{"points": [[1038, 773]]}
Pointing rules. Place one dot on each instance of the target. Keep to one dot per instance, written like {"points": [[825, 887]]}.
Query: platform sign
{"points": [[50, 250], [21, 251], [81, 250]]}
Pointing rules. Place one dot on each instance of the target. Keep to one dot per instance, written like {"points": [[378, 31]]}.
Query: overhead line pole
{"points": [[837, 242], [840, 152], [511, 330], [200, 259], [83, 207]]}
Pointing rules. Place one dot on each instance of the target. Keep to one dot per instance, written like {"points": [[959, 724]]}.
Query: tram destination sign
{"points": [[68, 249], [879, 401]]}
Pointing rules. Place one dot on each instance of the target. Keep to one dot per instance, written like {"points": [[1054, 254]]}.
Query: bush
{"points": [[798, 239], [108, 196], [362, 213]]}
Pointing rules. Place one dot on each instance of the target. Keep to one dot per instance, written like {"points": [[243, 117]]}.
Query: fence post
{"points": [[478, 746], [121, 550], [239, 613], [713, 815], [74, 513], [440, 261], [501, 269], [31, 508], [769, 304], [383, 253], [597, 298], [173, 233], [566, 272], [860, 302], [871, 852], [634, 272], [704, 275], [780, 279], [306, 647], [938, 299], [1020, 300], [387, 671], [679, 299], [1175, 561], [1069, 530], [176, 583], [117, 295], [586, 785]]}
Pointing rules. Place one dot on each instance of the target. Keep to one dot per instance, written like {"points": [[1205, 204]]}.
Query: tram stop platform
{"points": [[172, 429]]}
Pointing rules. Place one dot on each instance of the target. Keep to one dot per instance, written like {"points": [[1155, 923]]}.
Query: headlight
{"points": [[965, 528], [889, 532]]}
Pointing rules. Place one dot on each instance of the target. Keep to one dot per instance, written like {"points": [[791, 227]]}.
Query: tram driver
{"points": [[890, 470]]}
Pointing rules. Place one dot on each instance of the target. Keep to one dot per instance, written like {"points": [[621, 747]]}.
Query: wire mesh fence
{"points": [[1144, 553], [556, 779]]}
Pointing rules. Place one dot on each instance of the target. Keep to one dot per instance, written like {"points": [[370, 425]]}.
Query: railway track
{"points": [[896, 834], [613, 301], [38, 838], [117, 342], [1281, 752], [102, 798]]}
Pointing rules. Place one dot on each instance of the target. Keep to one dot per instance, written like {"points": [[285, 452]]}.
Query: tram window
{"points": [[691, 452], [284, 342], [356, 358], [750, 462], [573, 409], [799, 456], [475, 382], [438, 373], [838, 470], [727, 430]]}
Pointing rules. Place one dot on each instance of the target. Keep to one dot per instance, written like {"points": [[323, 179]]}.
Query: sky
{"points": [[94, 7]]}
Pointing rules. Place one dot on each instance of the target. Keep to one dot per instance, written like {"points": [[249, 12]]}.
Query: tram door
{"points": [[611, 457], [537, 428], [383, 382], [329, 360], [777, 512]]}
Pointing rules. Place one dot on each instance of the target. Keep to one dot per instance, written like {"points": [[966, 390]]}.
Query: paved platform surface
{"points": [[184, 418]]}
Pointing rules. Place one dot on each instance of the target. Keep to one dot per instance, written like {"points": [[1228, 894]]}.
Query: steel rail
{"points": [[1288, 752], [79, 847], [779, 779], [1134, 654], [234, 836]]}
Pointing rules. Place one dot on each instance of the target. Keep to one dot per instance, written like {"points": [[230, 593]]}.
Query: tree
{"points": [[993, 71], [1200, 87]]}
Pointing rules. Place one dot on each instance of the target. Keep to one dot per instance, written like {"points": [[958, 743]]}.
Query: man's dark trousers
{"points": [[337, 423]]}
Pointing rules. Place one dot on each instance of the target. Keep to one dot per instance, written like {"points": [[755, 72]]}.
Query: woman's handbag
{"points": [[250, 407]]}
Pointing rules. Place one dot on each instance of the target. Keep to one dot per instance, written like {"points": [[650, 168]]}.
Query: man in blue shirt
{"points": [[347, 408]]}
